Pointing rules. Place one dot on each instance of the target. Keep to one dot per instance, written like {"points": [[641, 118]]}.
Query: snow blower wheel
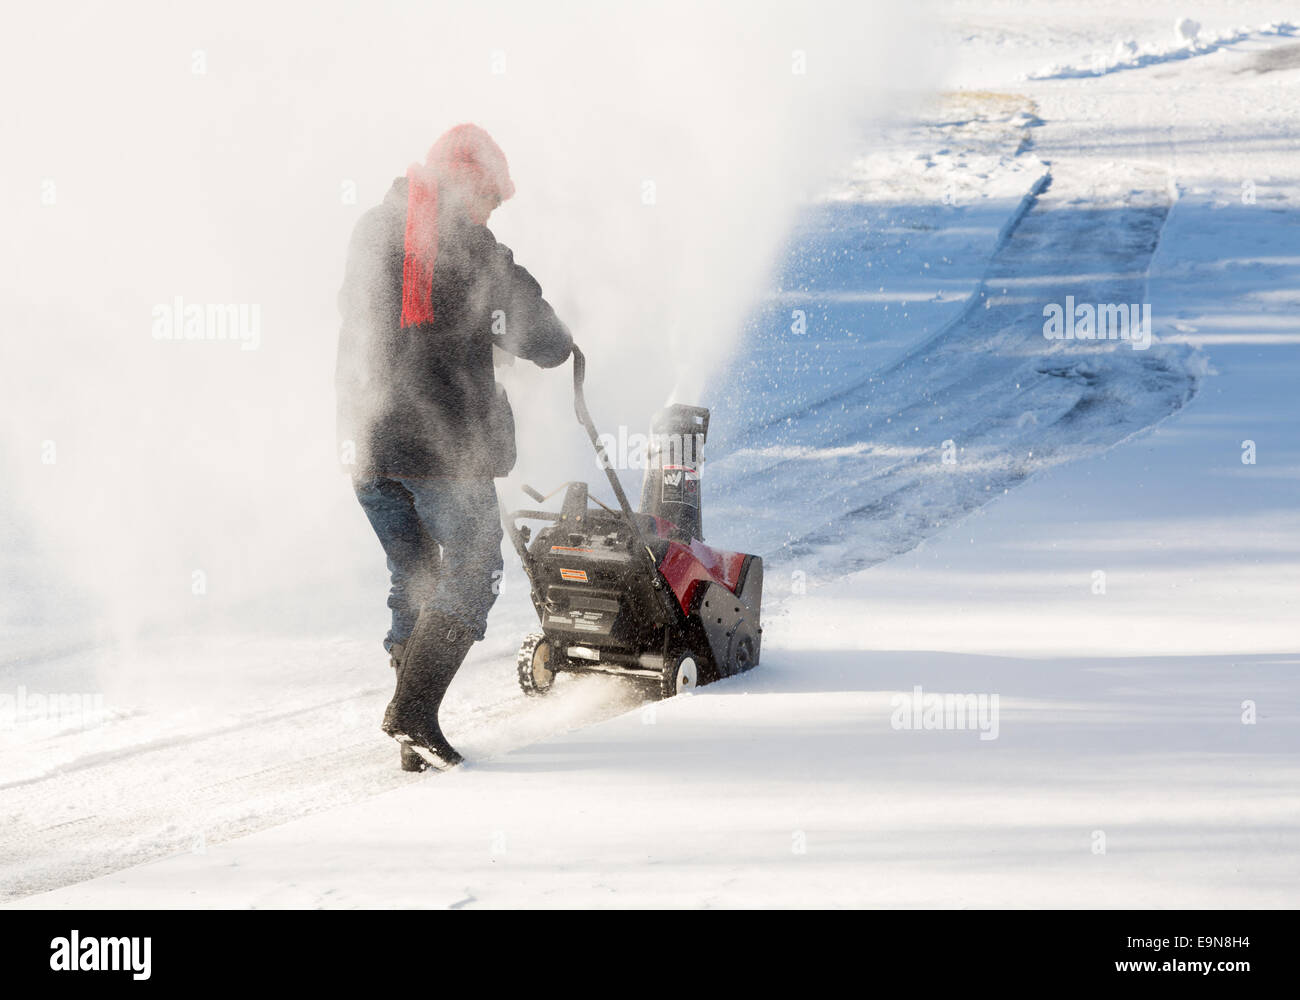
{"points": [[536, 674], [680, 673], [744, 655]]}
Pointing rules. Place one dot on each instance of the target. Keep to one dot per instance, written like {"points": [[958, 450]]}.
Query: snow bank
{"points": [[1129, 54]]}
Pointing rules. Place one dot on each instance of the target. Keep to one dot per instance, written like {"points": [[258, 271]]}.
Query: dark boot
{"points": [[432, 655], [410, 760]]}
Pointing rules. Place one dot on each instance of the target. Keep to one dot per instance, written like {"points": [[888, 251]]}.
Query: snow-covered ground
{"points": [[1090, 549]]}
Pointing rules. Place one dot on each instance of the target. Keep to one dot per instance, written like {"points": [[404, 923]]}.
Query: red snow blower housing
{"points": [[637, 593]]}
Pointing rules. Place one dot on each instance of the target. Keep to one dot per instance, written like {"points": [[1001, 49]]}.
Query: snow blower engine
{"points": [[637, 593]]}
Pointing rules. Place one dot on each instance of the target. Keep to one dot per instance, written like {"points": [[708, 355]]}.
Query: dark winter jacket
{"points": [[422, 401]]}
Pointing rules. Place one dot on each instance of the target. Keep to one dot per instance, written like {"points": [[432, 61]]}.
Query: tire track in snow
{"points": [[103, 812], [860, 476]]}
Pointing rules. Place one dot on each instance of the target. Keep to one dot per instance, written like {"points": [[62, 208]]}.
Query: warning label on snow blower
{"points": [[576, 575], [681, 485], [583, 621]]}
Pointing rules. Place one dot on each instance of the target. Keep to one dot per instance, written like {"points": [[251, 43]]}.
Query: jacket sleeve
{"points": [[530, 329]]}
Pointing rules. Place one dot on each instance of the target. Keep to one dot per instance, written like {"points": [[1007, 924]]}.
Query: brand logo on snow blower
{"points": [[573, 575], [681, 485]]}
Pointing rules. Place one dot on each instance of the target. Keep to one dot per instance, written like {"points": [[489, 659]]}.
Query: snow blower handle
{"points": [[584, 418], [579, 376]]}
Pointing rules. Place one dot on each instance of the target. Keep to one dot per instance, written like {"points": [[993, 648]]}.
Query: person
{"points": [[428, 293]]}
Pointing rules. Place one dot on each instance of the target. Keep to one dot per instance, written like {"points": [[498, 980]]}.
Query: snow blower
{"points": [[637, 593]]}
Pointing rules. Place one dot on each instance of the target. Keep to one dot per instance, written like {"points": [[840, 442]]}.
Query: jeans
{"points": [[442, 538]]}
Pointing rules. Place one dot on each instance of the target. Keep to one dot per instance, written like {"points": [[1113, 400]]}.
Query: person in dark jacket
{"points": [[428, 294]]}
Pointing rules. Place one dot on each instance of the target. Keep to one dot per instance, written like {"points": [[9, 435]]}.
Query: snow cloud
{"points": [[221, 153]]}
